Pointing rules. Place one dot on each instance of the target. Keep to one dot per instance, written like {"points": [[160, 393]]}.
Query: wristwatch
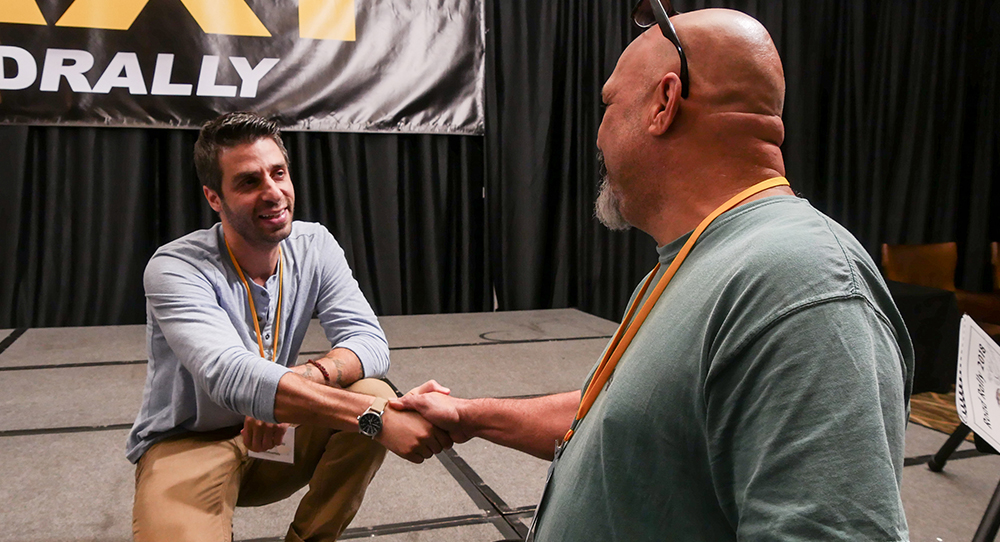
{"points": [[370, 422]]}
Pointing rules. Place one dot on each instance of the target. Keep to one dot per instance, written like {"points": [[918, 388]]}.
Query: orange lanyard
{"points": [[253, 309], [628, 328]]}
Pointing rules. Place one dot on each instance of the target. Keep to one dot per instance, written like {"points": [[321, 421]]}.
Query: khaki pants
{"points": [[187, 486]]}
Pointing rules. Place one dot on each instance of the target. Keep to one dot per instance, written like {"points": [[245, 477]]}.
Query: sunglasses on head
{"points": [[649, 12]]}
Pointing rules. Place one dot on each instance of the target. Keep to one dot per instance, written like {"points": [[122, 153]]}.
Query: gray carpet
{"points": [[69, 395]]}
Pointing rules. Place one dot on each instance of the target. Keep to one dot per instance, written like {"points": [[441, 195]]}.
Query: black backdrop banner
{"points": [[892, 115], [413, 66]]}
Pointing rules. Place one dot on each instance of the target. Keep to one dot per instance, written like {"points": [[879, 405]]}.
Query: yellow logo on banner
{"points": [[318, 19], [232, 17], [326, 19], [21, 12]]}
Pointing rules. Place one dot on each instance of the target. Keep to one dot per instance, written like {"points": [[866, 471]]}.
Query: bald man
{"points": [[758, 386]]}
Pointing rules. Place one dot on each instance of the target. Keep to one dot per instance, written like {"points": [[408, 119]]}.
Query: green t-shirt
{"points": [[764, 398]]}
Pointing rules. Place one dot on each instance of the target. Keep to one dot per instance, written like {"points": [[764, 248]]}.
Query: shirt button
{"points": [[267, 336]]}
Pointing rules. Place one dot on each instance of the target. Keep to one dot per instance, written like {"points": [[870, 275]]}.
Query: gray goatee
{"points": [[607, 208]]}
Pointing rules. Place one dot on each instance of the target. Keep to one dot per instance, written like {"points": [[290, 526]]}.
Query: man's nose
{"points": [[271, 191]]}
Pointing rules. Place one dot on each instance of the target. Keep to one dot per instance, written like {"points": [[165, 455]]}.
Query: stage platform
{"points": [[69, 396]]}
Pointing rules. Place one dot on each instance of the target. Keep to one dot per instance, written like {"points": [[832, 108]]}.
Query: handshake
{"points": [[428, 419], [425, 421], [416, 426], [422, 423]]}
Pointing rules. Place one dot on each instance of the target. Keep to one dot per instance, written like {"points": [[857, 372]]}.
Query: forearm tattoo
{"points": [[339, 363]]}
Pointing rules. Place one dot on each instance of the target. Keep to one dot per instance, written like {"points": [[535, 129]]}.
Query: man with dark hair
{"points": [[229, 131], [757, 388], [227, 311]]}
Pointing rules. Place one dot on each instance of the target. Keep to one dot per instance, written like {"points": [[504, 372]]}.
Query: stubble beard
{"points": [[244, 227], [607, 207]]}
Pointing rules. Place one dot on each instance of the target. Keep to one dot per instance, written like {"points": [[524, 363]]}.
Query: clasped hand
{"points": [[422, 423], [261, 436], [433, 404], [408, 433]]}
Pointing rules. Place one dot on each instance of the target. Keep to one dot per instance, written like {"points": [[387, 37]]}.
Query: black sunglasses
{"points": [[649, 12]]}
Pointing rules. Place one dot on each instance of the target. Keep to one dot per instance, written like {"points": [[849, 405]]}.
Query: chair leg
{"points": [[987, 531], [937, 462]]}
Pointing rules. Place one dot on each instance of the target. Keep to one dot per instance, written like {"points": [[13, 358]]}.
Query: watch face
{"points": [[370, 423]]}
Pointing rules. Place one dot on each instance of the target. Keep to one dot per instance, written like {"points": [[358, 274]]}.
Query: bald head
{"points": [[661, 149], [732, 62]]}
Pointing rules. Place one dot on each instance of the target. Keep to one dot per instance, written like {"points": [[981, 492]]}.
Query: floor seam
{"points": [[12, 338], [491, 342], [72, 365], [481, 494], [64, 430], [9, 339], [398, 528]]}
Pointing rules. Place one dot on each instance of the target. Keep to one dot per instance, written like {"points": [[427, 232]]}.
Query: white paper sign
{"points": [[977, 386], [284, 452]]}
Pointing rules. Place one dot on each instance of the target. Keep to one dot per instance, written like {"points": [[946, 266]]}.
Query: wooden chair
{"points": [[930, 265]]}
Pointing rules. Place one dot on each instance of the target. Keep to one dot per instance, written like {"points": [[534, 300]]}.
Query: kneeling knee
{"points": [[373, 387]]}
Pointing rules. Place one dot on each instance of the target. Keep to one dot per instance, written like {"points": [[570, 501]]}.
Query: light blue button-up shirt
{"points": [[205, 371]]}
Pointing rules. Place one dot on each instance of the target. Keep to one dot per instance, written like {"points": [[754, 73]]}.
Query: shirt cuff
{"points": [[374, 361], [267, 391]]}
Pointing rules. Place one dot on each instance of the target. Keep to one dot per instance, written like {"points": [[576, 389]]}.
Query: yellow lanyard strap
{"points": [[628, 327], [253, 309]]}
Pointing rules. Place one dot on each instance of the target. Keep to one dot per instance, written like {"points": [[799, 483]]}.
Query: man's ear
{"points": [[214, 200], [666, 102]]}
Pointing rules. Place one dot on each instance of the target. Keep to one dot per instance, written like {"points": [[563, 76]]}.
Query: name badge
{"points": [[284, 452]]}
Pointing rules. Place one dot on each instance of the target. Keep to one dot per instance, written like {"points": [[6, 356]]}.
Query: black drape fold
{"points": [[77, 204], [408, 211], [891, 118], [14, 161]]}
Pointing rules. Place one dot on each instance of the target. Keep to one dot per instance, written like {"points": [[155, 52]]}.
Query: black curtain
{"points": [[408, 211], [85, 208], [891, 118], [548, 61]]}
